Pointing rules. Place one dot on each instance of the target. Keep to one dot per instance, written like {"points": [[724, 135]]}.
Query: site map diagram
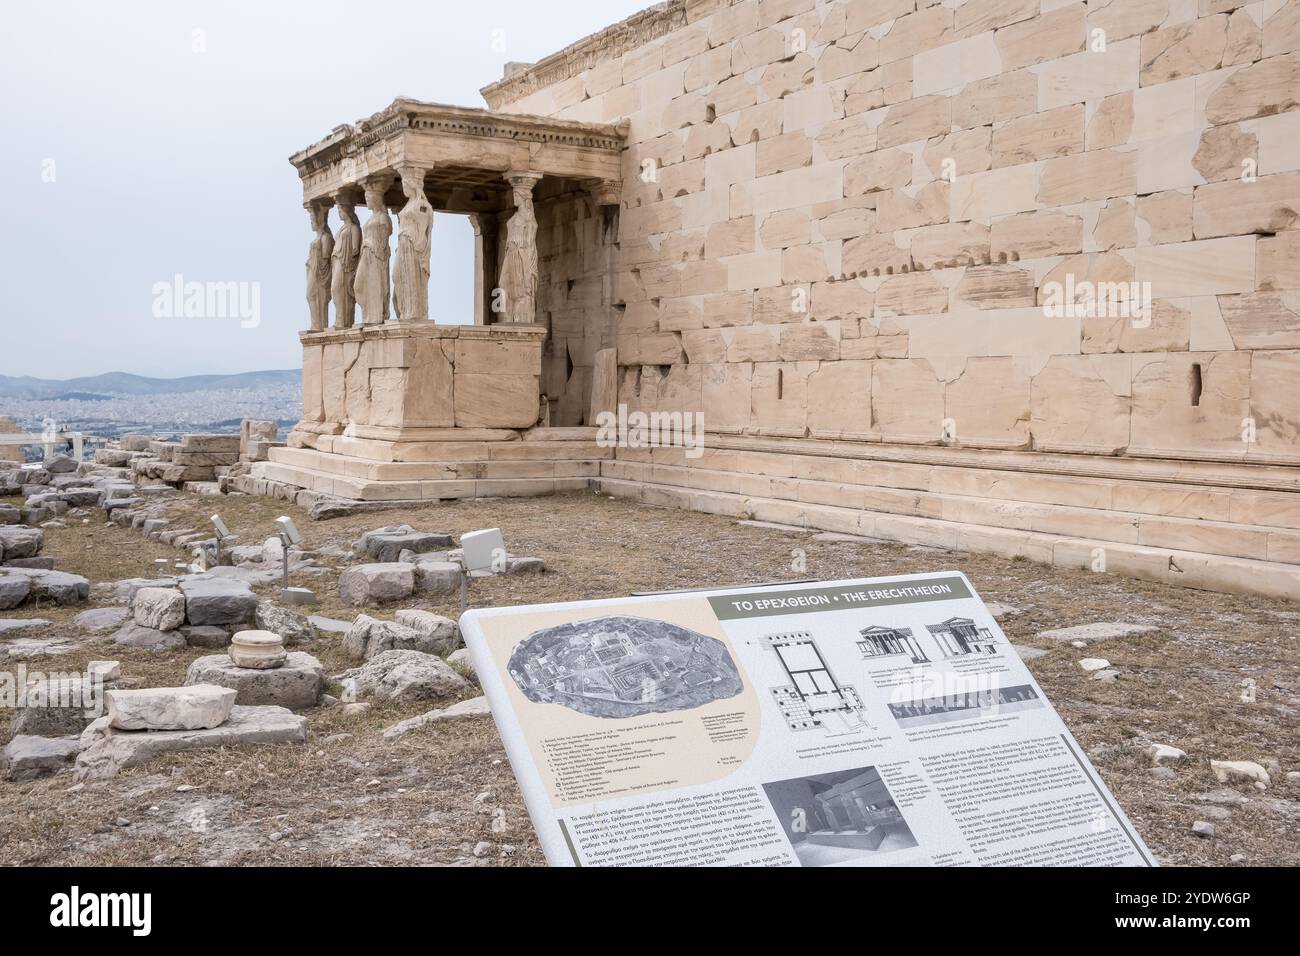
{"points": [[623, 666]]}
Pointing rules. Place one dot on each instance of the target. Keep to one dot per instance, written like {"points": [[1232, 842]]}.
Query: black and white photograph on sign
{"points": [[967, 705], [623, 666], [842, 817]]}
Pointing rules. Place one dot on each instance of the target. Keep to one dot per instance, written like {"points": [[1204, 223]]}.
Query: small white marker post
{"points": [[222, 534], [290, 537]]}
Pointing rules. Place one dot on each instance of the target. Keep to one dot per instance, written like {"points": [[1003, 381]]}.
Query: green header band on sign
{"points": [[731, 607]]}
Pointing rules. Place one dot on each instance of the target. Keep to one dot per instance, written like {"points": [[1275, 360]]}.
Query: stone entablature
{"points": [[433, 135]]}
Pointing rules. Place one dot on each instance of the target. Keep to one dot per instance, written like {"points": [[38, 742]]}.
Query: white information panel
{"points": [[872, 722]]}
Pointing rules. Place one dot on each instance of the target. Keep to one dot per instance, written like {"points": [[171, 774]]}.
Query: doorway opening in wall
{"points": [[451, 273]]}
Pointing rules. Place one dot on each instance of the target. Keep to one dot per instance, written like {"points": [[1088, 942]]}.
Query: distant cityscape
{"points": [[138, 405]]}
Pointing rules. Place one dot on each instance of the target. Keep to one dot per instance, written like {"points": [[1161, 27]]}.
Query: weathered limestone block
{"points": [[296, 684], [149, 639], [1120, 19], [374, 583], [60, 587], [293, 626], [1055, 34], [1096, 174], [1269, 204], [1191, 402], [1164, 217], [1033, 235], [198, 707], [437, 577], [996, 287], [604, 384], [218, 601], [162, 609], [881, 169], [56, 708], [496, 401], [1046, 135], [839, 401], [1263, 320], [725, 394], [1187, 49], [386, 544], [907, 401], [109, 751], [1262, 89], [473, 707], [19, 542], [897, 209], [916, 293], [1204, 267], [778, 398], [402, 676], [841, 300], [29, 757], [1080, 403], [989, 404], [1090, 75], [1273, 377]]}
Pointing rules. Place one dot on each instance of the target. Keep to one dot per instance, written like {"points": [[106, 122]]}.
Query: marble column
{"points": [[318, 266], [485, 265], [411, 270], [370, 287], [518, 282], [343, 265]]}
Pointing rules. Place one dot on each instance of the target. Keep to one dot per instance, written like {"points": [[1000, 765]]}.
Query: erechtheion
{"points": [[1019, 276]]}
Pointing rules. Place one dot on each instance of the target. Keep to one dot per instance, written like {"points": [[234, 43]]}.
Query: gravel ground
{"points": [[445, 795]]}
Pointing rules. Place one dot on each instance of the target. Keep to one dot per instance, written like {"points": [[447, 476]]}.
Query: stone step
{"points": [[1165, 566], [362, 489], [366, 469], [539, 449], [1225, 474], [1238, 505], [1211, 537]]}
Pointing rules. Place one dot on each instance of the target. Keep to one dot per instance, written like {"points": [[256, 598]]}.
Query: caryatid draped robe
{"points": [[411, 271], [519, 262], [343, 267], [371, 284], [318, 270]]}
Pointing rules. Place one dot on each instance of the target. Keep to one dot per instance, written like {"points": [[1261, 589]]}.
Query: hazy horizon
{"points": [[154, 143]]}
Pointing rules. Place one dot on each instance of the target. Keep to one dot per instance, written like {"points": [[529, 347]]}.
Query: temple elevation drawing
{"points": [[951, 276], [959, 636]]}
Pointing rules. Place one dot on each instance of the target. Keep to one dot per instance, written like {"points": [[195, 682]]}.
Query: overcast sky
{"points": [[144, 140]]}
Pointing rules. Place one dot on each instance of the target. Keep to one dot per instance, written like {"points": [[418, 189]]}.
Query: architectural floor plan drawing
{"points": [[814, 699], [623, 666]]}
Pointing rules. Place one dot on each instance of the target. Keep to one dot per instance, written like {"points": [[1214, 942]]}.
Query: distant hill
{"points": [[124, 383]]}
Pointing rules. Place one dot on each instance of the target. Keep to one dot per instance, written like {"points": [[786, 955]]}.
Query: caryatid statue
{"points": [[411, 271], [371, 284], [318, 267], [343, 264], [519, 262]]}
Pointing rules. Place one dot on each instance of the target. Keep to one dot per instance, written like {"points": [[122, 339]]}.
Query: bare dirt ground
{"points": [[352, 797]]}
